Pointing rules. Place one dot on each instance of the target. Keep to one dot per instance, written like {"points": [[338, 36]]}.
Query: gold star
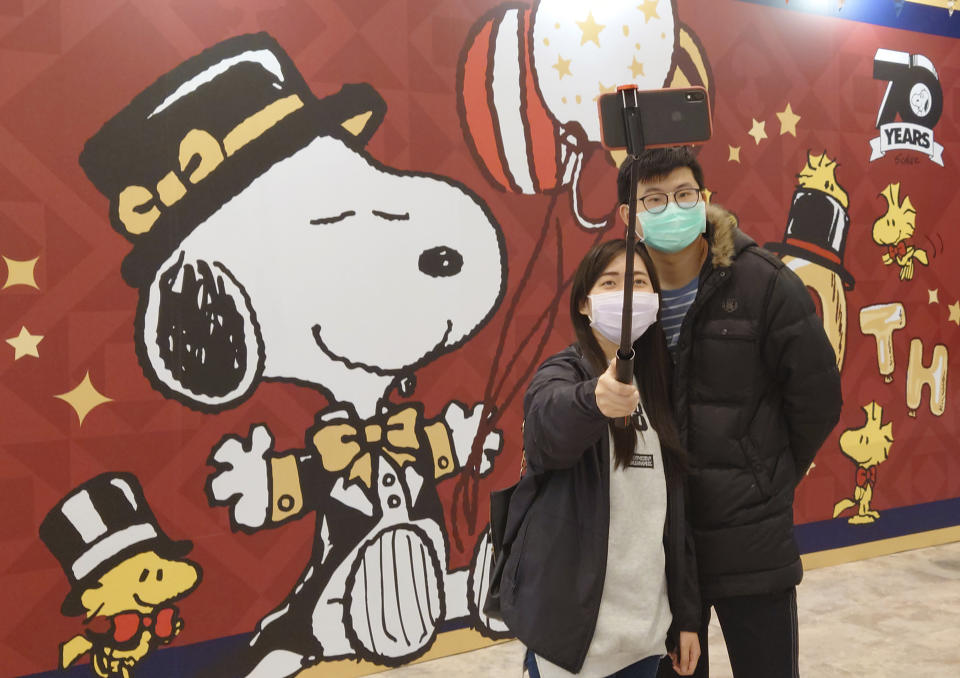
{"points": [[25, 344], [788, 121], [20, 273], [649, 9], [954, 313], [604, 90], [636, 68], [707, 194], [758, 131], [934, 298], [563, 66], [734, 154], [84, 398], [590, 29]]}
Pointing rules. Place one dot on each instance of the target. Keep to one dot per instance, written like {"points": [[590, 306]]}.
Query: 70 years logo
{"points": [[914, 94]]}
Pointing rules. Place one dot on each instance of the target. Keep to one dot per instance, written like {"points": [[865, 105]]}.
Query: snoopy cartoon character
{"points": [[268, 245], [125, 573]]}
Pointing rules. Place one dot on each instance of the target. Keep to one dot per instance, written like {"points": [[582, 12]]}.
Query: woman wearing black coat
{"points": [[600, 579]]}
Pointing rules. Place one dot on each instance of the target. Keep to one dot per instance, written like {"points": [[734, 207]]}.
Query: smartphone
{"points": [[668, 117]]}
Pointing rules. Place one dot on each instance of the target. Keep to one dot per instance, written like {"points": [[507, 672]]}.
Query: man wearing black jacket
{"points": [[756, 392]]}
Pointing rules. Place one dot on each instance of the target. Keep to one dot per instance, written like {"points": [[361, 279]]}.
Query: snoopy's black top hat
{"points": [[816, 231], [203, 132], [97, 526]]}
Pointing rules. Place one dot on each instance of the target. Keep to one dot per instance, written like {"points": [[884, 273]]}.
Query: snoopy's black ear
{"points": [[197, 335]]}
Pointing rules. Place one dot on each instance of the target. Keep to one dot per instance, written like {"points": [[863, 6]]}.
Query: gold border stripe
{"points": [[260, 122], [446, 644], [881, 547]]}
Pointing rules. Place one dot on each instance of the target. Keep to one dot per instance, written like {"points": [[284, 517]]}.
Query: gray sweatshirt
{"points": [[634, 610]]}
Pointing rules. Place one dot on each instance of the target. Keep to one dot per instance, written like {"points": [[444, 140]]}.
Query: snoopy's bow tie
{"points": [[344, 444]]}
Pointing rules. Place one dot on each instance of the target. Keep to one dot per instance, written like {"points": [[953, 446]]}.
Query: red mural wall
{"points": [[441, 135]]}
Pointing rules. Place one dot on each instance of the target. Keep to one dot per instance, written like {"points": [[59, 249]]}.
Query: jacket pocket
{"points": [[760, 475], [516, 555], [725, 356]]}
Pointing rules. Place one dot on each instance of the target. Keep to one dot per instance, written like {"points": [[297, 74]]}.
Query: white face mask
{"points": [[606, 314]]}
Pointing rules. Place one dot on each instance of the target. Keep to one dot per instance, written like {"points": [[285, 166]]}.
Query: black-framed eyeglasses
{"points": [[686, 198]]}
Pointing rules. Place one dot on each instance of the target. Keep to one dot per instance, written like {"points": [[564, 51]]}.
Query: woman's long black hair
{"points": [[651, 366]]}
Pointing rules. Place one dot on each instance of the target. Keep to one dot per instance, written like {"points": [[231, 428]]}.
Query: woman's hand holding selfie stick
{"points": [[615, 399]]}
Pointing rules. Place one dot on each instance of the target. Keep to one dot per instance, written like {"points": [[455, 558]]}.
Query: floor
{"points": [[893, 616]]}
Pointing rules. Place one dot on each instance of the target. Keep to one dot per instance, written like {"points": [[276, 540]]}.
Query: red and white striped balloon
{"points": [[515, 139], [513, 136]]}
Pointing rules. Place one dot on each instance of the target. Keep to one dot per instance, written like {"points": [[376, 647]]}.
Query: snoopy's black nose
{"points": [[441, 262]]}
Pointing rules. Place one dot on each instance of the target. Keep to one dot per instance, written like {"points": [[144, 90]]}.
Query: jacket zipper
{"points": [[709, 285], [605, 481]]}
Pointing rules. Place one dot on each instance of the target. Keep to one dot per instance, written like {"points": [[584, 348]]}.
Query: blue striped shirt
{"points": [[676, 303]]}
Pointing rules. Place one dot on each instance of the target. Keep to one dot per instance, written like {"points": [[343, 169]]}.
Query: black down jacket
{"points": [[756, 392]]}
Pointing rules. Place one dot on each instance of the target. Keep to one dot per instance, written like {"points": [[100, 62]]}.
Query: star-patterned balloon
{"points": [[583, 49]]}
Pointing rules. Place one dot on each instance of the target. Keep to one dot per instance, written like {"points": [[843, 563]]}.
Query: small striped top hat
{"points": [[97, 526]]}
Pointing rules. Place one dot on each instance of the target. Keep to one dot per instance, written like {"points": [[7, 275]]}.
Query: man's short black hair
{"points": [[657, 163]]}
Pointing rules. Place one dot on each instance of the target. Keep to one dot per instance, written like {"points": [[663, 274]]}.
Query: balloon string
{"points": [[576, 157], [467, 490], [469, 477]]}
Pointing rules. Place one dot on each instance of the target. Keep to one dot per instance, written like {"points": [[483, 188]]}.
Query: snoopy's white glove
{"points": [[240, 480], [463, 429]]}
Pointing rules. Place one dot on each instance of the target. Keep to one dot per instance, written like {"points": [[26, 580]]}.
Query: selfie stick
{"points": [[635, 145]]}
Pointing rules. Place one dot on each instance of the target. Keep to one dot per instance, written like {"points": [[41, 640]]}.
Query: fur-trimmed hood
{"points": [[726, 238]]}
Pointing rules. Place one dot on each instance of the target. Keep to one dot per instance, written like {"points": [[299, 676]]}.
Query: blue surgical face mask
{"points": [[674, 228]]}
